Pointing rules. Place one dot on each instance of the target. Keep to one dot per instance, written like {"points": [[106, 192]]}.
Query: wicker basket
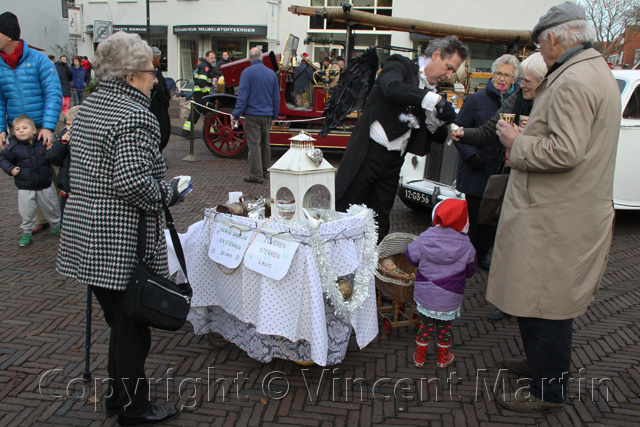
{"points": [[398, 289]]}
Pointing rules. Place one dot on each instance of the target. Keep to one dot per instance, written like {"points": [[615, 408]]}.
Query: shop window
{"points": [[161, 43], [235, 46], [188, 59], [379, 7], [65, 7]]}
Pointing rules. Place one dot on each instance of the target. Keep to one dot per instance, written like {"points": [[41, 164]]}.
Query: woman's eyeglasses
{"points": [[527, 82], [499, 74], [153, 71]]}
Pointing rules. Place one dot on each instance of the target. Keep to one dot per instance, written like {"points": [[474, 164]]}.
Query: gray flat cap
{"points": [[156, 51], [565, 12]]}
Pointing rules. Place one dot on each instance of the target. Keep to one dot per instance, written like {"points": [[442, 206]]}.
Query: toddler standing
{"points": [[445, 258], [24, 159]]}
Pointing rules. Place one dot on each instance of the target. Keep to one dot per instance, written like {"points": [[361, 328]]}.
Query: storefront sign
{"points": [[255, 30], [272, 20], [139, 29], [75, 22], [270, 256], [228, 245]]}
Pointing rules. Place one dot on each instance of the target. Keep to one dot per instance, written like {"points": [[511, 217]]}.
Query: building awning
{"points": [[235, 30], [138, 29]]}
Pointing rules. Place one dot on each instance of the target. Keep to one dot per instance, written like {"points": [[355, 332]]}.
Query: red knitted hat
{"points": [[451, 213]]}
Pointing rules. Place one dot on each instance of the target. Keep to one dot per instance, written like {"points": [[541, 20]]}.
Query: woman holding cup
{"points": [[531, 73]]}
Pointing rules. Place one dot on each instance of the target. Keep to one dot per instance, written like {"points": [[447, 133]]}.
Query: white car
{"points": [[426, 180]]}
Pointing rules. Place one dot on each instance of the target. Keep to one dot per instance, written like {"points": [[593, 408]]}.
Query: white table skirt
{"points": [[253, 310]]}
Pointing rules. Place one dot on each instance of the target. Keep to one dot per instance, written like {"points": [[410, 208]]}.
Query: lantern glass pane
{"points": [[317, 197], [285, 203]]}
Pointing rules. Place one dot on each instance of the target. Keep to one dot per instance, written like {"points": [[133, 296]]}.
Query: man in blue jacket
{"points": [[259, 103], [29, 83]]}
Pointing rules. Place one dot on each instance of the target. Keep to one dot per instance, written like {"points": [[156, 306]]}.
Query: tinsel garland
{"points": [[344, 309]]}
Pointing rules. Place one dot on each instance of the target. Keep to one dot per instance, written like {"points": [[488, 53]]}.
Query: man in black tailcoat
{"points": [[403, 113]]}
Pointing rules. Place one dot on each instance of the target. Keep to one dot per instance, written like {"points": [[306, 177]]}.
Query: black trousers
{"points": [[547, 344], [129, 345], [482, 236], [375, 185]]}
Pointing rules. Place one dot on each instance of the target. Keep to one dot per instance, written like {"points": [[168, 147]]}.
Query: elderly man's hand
{"points": [[457, 134], [507, 133], [47, 136]]}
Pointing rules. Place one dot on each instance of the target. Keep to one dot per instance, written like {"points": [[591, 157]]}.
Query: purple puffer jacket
{"points": [[445, 258]]}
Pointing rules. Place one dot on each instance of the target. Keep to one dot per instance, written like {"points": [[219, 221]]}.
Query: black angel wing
{"points": [[351, 91]]}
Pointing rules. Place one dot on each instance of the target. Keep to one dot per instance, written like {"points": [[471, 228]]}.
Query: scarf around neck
{"points": [[13, 58]]}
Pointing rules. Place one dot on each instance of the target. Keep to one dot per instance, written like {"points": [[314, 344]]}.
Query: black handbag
{"points": [[491, 203], [152, 299]]}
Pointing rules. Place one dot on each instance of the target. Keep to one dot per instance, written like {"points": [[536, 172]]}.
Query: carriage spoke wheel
{"points": [[221, 138]]}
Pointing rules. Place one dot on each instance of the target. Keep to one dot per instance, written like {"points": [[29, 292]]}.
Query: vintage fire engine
{"points": [[424, 180]]}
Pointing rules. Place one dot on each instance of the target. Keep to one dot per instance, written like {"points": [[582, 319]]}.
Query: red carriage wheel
{"points": [[221, 138]]}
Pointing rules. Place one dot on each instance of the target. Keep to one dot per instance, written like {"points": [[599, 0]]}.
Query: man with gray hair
{"points": [[556, 223], [259, 103], [403, 113]]}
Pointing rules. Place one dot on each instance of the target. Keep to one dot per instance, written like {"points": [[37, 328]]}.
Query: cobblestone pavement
{"points": [[42, 333]]}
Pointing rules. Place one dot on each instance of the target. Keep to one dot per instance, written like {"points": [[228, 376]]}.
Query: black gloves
{"points": [[177, 197], [444, 111], [476, 163]]}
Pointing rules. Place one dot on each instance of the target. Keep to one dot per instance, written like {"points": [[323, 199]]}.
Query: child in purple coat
{"points": [[445, 259]]}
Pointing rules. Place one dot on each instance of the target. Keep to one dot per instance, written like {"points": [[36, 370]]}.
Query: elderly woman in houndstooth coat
{"points": [[117, 171]]}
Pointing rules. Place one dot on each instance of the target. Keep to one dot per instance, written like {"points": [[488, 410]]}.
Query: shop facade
{"points": [[185, 30]]}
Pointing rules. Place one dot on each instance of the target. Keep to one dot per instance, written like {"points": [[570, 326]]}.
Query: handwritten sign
{"points": [[228, 245], [270, 256]]}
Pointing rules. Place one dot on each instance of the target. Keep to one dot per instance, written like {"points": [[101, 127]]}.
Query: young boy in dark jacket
{"points": [[25, 160], [59, 155]]}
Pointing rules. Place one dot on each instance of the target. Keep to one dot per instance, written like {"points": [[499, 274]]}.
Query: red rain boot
{"points": [[421, 354], [445, 357]]}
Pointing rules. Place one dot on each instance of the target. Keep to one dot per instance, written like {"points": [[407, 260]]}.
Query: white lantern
{"points": [[302, 178]]}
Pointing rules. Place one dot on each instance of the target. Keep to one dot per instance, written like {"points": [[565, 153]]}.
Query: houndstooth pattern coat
{"points": [[116, 168]]}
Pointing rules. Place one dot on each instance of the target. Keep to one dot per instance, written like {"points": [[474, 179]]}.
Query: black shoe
{"points": [[497, 315], [185, 133], [155, 415], [253, 180], [484, 264]]}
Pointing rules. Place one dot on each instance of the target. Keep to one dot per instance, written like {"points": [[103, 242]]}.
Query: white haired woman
{"points": [[116, 176], [531, 72]]}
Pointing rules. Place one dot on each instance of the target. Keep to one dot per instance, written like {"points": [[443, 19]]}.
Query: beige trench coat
{"points": [[556, 224]]}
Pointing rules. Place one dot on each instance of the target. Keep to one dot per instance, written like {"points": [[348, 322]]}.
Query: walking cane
{"points": [[87, 344]]}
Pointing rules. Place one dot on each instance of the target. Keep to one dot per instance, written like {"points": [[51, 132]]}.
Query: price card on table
{"points": [[228, 245], [270, 256]]}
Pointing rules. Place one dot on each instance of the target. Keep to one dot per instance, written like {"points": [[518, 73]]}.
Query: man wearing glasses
{"points": [[477, 164]]}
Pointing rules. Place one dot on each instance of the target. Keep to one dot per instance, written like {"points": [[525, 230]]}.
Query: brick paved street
{"points": [[42, 330]]}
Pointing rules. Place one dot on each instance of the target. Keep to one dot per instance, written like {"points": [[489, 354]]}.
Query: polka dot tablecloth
{"points": [[293, 307]]}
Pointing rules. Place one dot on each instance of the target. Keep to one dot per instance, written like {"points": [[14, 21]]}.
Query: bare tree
{"points": [[612, 20]]}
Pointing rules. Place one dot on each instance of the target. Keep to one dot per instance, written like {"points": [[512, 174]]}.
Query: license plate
{"points": [[416, 196]]}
